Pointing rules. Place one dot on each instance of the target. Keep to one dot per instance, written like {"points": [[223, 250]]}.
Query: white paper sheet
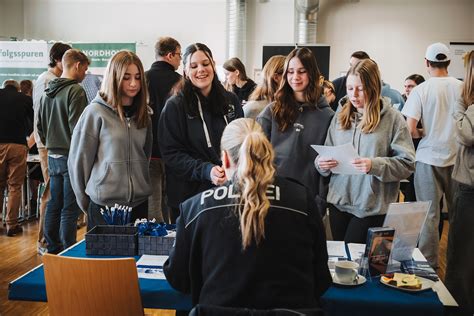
{"points": [[356, 251], [336, 252], [336, 249], [151, 267], [343, 154]]}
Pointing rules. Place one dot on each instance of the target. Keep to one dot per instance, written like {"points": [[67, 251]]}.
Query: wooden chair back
{"points": [[85, 286]]}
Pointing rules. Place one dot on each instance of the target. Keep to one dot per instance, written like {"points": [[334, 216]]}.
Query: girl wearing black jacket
{"points": [[256, 242], [191, 126]]}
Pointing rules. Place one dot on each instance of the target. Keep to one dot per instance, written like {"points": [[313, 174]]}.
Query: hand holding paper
{"points": [[338, 158]]}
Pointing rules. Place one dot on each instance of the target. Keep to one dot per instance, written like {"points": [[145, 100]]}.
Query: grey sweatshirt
{"points": [[108, 160], [464, 166], [293, 153], [391, 150]]}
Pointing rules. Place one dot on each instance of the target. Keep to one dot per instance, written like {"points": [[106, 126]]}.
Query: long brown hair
{"points": [[266, 90], [112, 94], [369, 75], [285, 109], [467, 93], [252, 153]]}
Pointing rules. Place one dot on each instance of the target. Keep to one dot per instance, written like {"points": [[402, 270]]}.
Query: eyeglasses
{"points": [[179, 54]]}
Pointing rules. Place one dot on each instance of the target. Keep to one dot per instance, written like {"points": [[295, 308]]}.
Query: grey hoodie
{"points": [[391, 150], [293, 153], [60, 108], [108, 160], [464, 167]]}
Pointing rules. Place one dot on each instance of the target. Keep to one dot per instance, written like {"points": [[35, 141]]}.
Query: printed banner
{"points": [[22, 60], [100, 53]]}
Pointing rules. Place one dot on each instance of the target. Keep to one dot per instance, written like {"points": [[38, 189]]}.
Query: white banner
{"points": [[23, 55]]}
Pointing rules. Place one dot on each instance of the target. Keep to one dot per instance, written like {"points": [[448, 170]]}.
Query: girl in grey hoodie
{"points": [[111, 143], [386, 155]]}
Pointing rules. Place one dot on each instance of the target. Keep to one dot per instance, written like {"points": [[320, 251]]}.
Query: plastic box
{"points": [[155, 245], [112, 241]]}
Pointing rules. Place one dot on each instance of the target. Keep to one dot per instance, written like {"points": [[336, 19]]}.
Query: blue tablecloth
{"points": [[374, 298], [371, 298], [154, 293]]}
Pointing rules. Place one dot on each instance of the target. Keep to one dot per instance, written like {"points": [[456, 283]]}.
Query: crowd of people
{"points": [[231, 163]]}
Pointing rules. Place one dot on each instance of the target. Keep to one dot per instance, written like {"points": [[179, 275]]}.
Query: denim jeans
{"points": [[62, 210], [460, 256]]}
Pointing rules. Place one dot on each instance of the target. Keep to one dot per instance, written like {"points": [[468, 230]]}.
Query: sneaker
{"points": [[42, 250], [13, 231]]}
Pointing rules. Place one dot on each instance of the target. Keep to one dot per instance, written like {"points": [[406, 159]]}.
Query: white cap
{"points": [[437, 48]]}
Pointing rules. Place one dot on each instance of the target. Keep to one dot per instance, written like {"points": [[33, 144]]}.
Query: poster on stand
{"points": [[22, 60]]}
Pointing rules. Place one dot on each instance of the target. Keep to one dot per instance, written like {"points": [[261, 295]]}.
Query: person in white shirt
{"points": [[432, 103], [55, 69]]}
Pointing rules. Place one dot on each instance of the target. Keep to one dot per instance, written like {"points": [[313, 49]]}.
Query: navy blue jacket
{"points": [[188, 159], [287, 270]]}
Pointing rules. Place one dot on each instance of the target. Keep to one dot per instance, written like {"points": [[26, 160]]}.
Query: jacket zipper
{"points": [[129, 167]]}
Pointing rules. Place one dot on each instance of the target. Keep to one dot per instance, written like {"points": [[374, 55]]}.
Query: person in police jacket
{"points": [[255, 242]]}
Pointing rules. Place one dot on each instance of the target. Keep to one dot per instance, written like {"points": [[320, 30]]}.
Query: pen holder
{"points": [[112, 241]]}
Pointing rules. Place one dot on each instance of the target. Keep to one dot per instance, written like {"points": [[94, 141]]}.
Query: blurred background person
{"points": [[329, 94], [460, 270], [15, 110], [410, 82], [161, 77], [264, 92], [237, 80], [55, 69]]}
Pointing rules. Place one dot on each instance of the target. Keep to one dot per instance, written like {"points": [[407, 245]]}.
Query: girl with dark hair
{"points": [[190, 128], [232, 241], [381, 138], [299, 117], [237, 80], [111, 143]]}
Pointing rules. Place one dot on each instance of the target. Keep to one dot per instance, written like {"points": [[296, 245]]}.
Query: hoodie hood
{"points": [[57, 85]]}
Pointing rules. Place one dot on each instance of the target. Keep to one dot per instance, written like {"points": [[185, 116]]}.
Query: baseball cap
{"points": [[437, 48]]}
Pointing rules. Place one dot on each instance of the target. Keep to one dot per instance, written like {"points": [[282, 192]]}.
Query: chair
{"points": [[212, 310], [80, 286]]}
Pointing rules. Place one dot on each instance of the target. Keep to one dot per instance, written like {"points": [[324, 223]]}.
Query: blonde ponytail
{"points": [[253, 155]]}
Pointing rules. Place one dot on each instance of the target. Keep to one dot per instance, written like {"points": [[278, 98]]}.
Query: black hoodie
{"points": [[244, 92], [160, 78], [15, 109]]}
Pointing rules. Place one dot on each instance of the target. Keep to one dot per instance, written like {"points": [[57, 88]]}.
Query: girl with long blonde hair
{"points": [[111, 143], [383, 143], [264, 93], [231, 241]]}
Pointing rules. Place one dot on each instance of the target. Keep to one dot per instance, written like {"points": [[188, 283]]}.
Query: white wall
{"points": [[394, 32], [11, 19]]}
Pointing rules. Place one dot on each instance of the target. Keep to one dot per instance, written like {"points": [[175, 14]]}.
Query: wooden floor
{"points": [[18, 255]]}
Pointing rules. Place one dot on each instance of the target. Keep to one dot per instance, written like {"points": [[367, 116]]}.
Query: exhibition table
{"points": [[371, 298]]}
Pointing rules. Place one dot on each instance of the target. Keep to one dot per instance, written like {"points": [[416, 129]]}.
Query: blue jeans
{"points": [[62, 210]]}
